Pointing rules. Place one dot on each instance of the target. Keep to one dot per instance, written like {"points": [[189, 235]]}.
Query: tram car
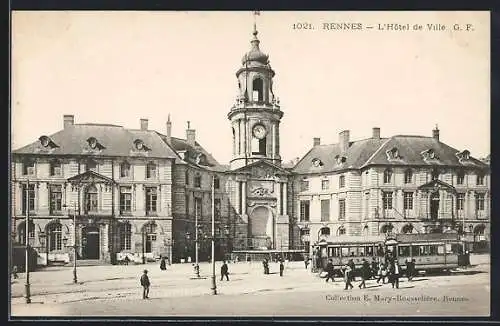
{"points": [[431, 251]]}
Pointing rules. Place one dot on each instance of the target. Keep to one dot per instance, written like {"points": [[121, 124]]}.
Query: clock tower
{"points": [[256, 115]]}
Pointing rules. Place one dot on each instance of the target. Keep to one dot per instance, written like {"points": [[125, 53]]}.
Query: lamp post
{"points": [[214, 286], [196, 266], [27, 267], [75, 278]]}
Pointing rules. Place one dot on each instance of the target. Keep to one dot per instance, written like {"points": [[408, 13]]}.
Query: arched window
{"points": [[258, 90], [386, 228], [341, 230], [408, 228], [125, 234], [21, 234], [387, 175], [325, 231], [124, 170], [55, 168], [91, 203], [408, 176], [54, 231], [151, 170], [149, 236]]}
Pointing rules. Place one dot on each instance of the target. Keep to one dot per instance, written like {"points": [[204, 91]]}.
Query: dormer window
{"points": [[316, 162], [46, 142], [140, 146], [429, 154], [393, 154], [340, 159], [201, 159], [464, 155], [94, 144]]}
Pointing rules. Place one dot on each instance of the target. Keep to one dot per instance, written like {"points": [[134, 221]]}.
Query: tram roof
{"points": [[410, 237], [353, 239]]}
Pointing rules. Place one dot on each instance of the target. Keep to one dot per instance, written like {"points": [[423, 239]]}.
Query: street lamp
{"points": [[75, 278], [27, 267], [214, 286]]}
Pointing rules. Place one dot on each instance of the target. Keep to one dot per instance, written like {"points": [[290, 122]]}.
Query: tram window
{"points": [[424, 250], [448, 248], [433, 250], [369, 251], [415, 250], [440, 250], [361, 251], [345, 251], [404, 251], [336, 252], [352, 251], [456, 248]]}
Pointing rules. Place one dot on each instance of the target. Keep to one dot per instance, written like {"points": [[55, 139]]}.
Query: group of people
{"points": [[265, 264], [388, 268]]}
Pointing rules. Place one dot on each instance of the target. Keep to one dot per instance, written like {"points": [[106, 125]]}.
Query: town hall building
{"points": [[141, 193]]}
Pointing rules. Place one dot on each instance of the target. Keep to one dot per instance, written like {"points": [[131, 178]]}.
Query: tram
{"points": [[431, 251]]}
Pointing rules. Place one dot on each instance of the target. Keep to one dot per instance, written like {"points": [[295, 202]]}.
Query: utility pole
{"points": [[27, 267], [214, 286]]}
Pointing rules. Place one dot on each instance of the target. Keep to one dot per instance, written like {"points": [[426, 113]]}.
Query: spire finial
{"points": [[189, 124], [168, 119], [255, 14]]}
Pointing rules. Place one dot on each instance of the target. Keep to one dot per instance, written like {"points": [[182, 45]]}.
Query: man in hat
{"points": [[145, 284]]}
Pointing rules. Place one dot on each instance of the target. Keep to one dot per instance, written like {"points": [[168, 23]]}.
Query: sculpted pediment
{"points": [[263, 170]]}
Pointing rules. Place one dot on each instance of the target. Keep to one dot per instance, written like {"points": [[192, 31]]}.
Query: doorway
{"points": [[90, 242], [434, 205]]}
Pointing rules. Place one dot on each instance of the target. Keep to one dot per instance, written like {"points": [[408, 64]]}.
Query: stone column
{"points": [[238, 197], [285, 203], [278, 200], [244, 201], [273, 140]]}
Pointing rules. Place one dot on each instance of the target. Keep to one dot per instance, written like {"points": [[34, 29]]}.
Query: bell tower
{"points": [[256, 115]]}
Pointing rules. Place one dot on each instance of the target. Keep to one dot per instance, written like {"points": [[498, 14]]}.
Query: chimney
{"points": [[144, 124], [435, 133], [376, 133], [344, 140], [69, 120], [316, 141], [190, 135], [169, 129]]}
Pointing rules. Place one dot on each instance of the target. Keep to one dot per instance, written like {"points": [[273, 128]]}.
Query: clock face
{"points": [[259, 131]]}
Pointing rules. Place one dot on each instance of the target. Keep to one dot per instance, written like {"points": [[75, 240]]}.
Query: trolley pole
{"points": [[27, 267], [214, 286]]}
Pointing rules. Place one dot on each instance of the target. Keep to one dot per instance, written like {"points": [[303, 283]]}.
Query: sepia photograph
{"points": [[249, 164]]}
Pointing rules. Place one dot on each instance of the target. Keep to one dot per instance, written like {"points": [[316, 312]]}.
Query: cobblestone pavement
{"points": [[116, 288]]}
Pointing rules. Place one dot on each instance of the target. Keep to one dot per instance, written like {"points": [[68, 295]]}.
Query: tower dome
{"points": [[255, 54]]}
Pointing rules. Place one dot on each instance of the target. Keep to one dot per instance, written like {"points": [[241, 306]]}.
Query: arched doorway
{"points": [[90, 243], [261, 227], [434, 205]]}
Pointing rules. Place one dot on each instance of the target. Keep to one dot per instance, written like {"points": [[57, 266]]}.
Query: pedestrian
{"points": [[163, 264], [224, 271], [14, 272], [374, 268], [126, 260], [382, 272], [365, 273], [408, 271], [282, 267], [353, 269], [306, 262], [347, 277], [145, 284], [413, 269], [265, 264], [329, 270], [394, 275]]}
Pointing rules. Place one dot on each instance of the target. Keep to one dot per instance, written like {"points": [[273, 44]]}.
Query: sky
{"points": [[119, 67]]}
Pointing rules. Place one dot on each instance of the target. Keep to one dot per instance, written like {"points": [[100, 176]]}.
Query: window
{"points": [[125, 170], [91, 166], [22, 232], [151, 198], [198, 207], [408, 200], [460, 201], [387, 200], [31, 198], [125, 231], [460, 178], [186, 176], [55, 236], [325, 210], [29, 167], [258, 86], [187, 204], [151, 170], [55, 199], [217, 208], [197, 181], [216, 183], [387, 176], [91, 203], [125, 200], [324, 231], [404, 251], [304, 210], [480, 179], [149, 231], [55, 168], [341, 231], [342, 181], [325, 184], [479, 202], [408, 176], [304, 185], [435, 174], [341, 209]]}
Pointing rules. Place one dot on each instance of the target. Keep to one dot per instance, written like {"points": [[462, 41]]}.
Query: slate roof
{"points": [[372, 151]]}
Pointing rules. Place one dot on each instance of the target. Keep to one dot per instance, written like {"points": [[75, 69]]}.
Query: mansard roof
{"points": [[411, 150]]}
